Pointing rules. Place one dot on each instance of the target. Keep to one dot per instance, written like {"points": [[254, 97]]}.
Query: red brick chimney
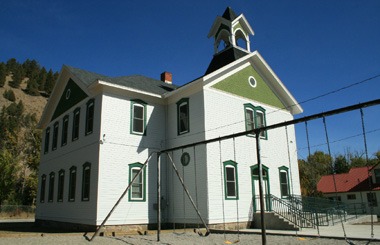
{"points": [[166, 77]]}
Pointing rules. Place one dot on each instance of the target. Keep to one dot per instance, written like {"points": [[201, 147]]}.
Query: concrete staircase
{"points": [[272, 222]]}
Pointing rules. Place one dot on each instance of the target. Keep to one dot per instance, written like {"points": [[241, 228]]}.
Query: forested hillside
{"points": [[24, 90]]}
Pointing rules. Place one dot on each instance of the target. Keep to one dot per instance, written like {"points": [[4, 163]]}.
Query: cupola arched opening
{"points": [[241, 39], [222, 41]]}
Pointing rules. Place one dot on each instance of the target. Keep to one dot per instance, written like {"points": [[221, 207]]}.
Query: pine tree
{"points": [[49, 85], [32, 87], [3, 74], [42, 79], [16, 78], [12, 65]]}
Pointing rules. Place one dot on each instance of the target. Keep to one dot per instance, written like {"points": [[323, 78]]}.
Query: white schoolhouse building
{"points": [[99, 131]]}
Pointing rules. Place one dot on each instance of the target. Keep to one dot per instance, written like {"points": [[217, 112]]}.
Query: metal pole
{"points": [[121, 197], [158, 197], [263, 232]]}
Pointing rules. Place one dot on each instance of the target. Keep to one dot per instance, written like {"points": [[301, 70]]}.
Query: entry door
{"points": [[255, 189]]}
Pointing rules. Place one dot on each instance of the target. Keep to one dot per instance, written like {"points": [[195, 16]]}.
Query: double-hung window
{"points": [[47, 138], [61, 184], [72, 183], [51, 187], [284, 181], [43, 187], [231, 180], [90, 116], [137, 191], [255, 118], [183, 116], [138, 117], [65, 129], [86, 181], [76, 121], [55, 136]]}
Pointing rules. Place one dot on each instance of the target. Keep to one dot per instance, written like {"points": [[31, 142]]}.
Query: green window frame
{"points": [[231, 183], [55, 136], [90, 110], [65, 130], [86, 181], [47, 139], [61, 184], [255, 117], [43, 188], [183, 116], [283, 173], [351, 197], [76, 124], [72, 183], [138, 117], [51, 187], [137, 192]]}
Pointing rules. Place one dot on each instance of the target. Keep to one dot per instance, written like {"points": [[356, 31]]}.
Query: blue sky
{"points": [[314, 47]]}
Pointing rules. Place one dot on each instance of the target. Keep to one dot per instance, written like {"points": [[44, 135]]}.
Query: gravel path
{"points": [[167, 238]]}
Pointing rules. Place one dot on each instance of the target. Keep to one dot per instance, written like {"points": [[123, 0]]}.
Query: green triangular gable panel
{"points": [[238, 84], [70, 97]]}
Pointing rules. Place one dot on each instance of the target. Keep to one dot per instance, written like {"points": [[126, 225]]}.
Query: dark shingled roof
{"points": [[138, 82], [229, 14], [224, 58]]}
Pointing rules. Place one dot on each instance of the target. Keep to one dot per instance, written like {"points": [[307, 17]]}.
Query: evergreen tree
{"points": [[50, 82], [16, 78], [42, 79], [12, 65], [32, 87], [31, 69], [3, 74], [9, 95]]}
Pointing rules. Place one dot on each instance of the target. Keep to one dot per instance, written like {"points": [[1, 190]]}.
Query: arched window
{"points": [[72, 183], [51, 187], [255, 118], [231, 180], [284, 181], [61, 184], [43, 187], [138, 117], [183, 116], [90, 116], [137, 192], [86, 181], [240, 39]]}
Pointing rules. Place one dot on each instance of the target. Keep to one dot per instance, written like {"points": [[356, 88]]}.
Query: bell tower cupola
{"points": [[230, 30]]}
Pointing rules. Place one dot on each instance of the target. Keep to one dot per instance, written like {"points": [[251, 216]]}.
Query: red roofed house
{"points": [[354, 187]]}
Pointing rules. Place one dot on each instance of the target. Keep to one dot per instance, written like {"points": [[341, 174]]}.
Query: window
{"points": [[137, 191], [47, 138], [43, 186], [72, 183], [51, 187], [377, 175], [249, 120], [252, 82], [351, 197], [55, 136], [183, 116], [76, 121], [255, 118], [231, 180], [65, 129], [61, 184], [86, 181], [284, 181], [372, 200], [138, 117], [90, 116]]}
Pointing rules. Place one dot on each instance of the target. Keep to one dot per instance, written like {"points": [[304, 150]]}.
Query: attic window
{"points": [[252, 82]]}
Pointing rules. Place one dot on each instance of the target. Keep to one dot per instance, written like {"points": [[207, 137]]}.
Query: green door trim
{"points": [[266, 180]]}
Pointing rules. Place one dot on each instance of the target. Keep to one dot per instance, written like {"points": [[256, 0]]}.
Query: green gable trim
{"points": [[238, 84], [70, 97], [238, 26]]}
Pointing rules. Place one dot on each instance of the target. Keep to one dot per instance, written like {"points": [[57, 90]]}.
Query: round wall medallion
{"points": [[185, 159], [252, 82], [68, 93]]}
